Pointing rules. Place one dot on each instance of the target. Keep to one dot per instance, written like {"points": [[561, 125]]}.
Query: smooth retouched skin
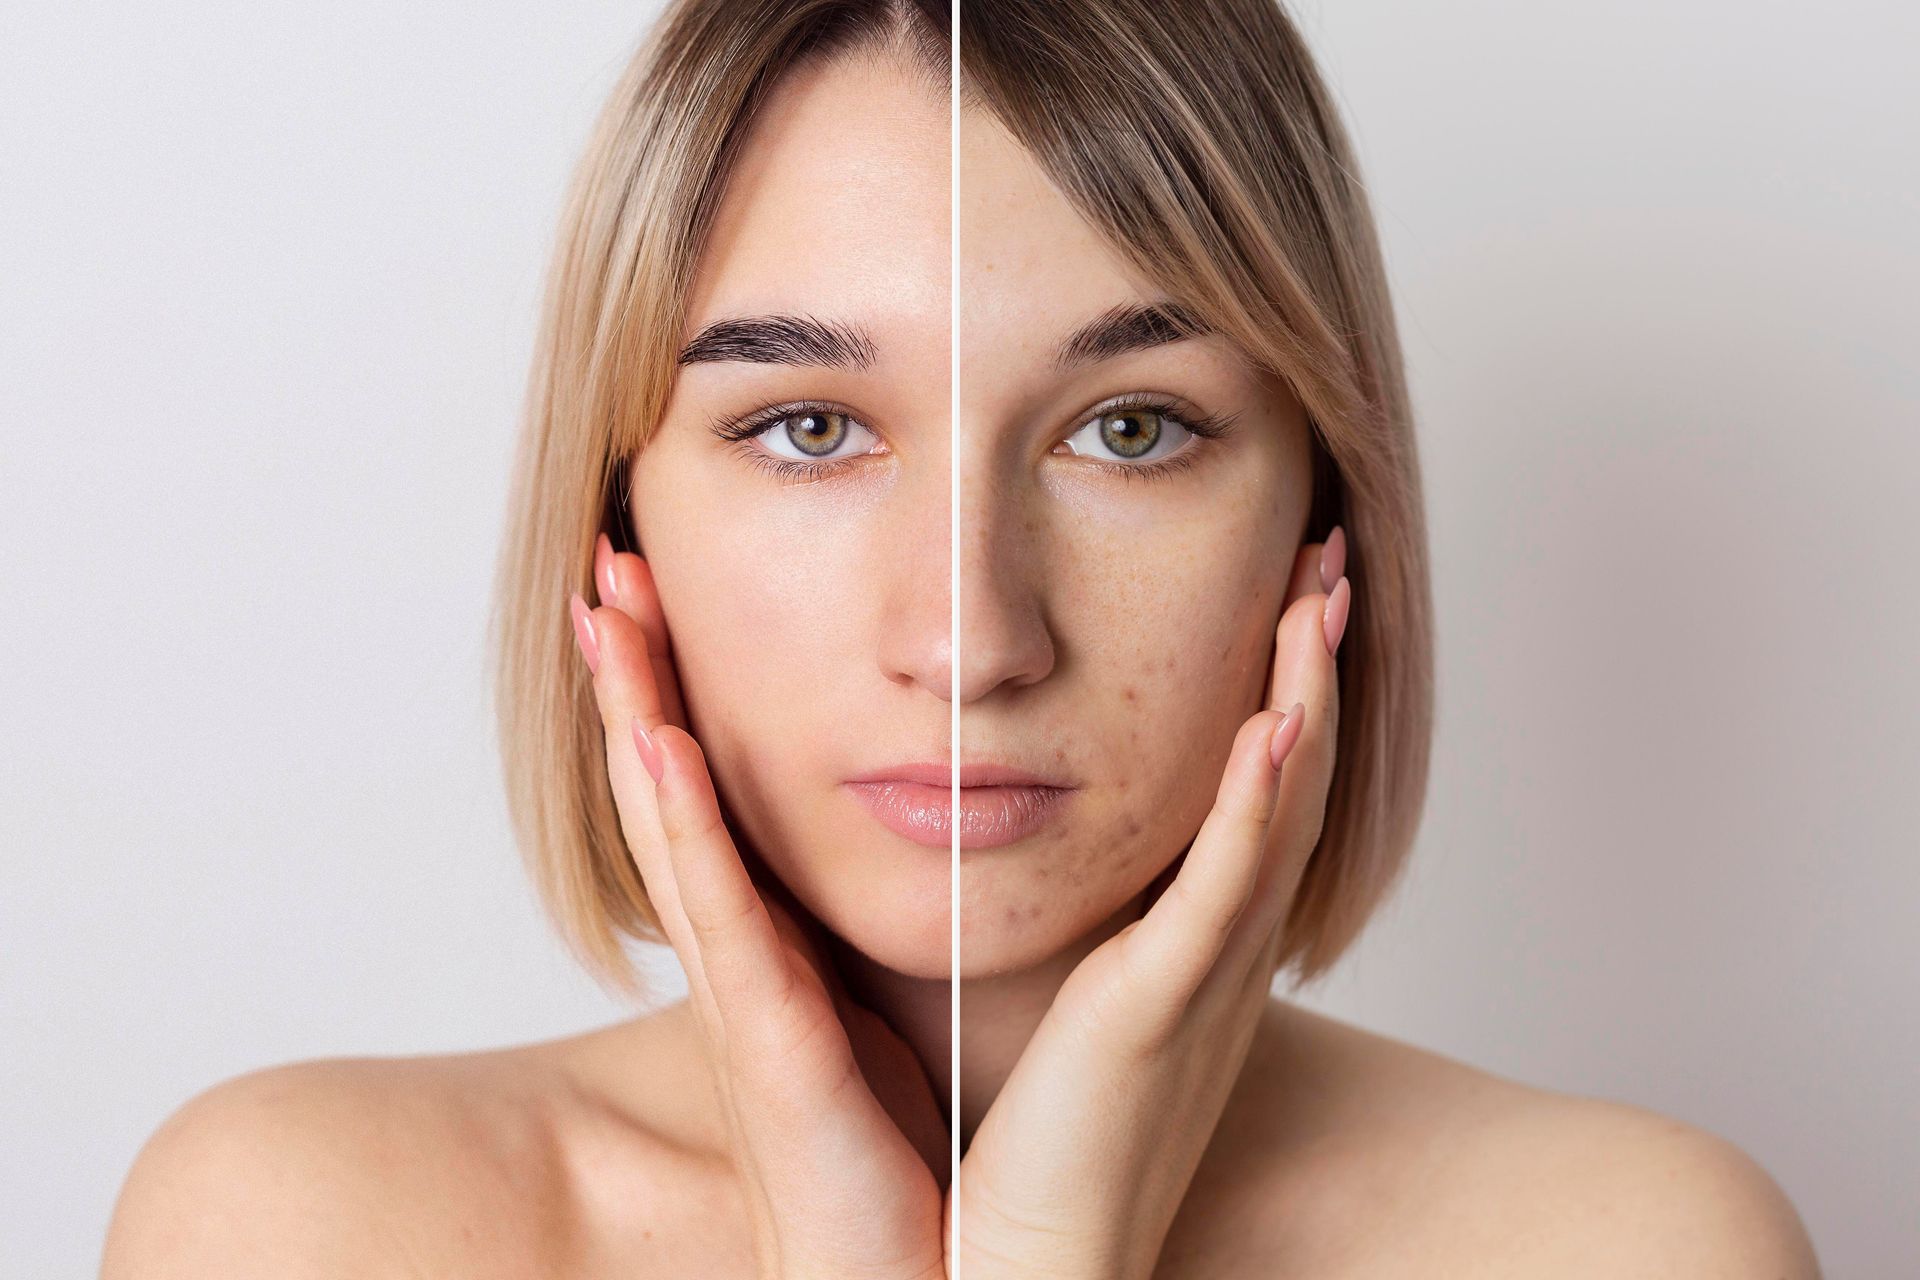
{"points": [[1119, 630]]}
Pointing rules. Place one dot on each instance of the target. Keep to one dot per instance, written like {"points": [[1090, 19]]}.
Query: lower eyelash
{"points": [[742, 431], [1204, 426], [786, 470], [1159, 470]]}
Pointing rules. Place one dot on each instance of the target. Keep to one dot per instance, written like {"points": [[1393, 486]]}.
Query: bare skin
{"points": [[613, 1153], [1343, 1154]]}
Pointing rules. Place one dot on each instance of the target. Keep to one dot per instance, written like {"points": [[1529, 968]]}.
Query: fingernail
{"points": [[583, 632], [1333, 559], [1334, 620], [1285, 734], [603, 569], [649, 754]]}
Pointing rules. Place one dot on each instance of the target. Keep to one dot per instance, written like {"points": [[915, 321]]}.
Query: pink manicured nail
{"points": [[1335, 618], [1285, 734], [583, 632], [649, 754], [1333, 559], [603, 570]]}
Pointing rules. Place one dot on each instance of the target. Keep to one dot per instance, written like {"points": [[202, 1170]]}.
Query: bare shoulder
{"points": [[1493, 1177], [479, 1164]]}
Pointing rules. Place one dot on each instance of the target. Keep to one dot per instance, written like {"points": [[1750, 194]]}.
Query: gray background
{"points": [[267, 289]]}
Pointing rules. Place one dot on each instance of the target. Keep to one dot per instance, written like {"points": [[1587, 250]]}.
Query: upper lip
{"points": [[980, 774]]}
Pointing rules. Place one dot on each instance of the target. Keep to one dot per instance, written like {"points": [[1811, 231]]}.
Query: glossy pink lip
{"points": [[999, 804]]}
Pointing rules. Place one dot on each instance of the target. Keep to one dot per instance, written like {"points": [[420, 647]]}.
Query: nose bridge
{"points": [[913, 565], [1004, 638]]}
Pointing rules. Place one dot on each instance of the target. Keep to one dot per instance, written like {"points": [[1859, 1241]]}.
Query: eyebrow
{"points": [[1128, 327], [781, 339]]}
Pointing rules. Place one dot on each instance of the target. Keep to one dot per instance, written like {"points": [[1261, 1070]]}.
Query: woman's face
{"points": [[809, 609], [1116, 625]]}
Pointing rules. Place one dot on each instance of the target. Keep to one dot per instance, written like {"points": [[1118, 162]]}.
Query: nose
{"points": [[1005, 641], [915, 584]]}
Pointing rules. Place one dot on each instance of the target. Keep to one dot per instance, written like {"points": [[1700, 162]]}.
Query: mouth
{"points": [[999, 805]]}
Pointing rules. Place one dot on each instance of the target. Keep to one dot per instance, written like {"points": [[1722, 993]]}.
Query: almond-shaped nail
{"points": [[1333, 559], [1285, 734], [583, 632], [1334, 620], [649, 753], [603, 570]]}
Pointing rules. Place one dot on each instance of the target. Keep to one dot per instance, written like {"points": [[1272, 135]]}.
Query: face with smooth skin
{"points": [[809, 610], [1116, 626]]}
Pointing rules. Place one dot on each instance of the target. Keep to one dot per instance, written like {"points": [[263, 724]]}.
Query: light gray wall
{"points": [[268, 289], [267, 293], [1657, 267]]}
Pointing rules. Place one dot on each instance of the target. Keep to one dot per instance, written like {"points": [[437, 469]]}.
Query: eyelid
{"points": [[743, 430], [1198, 425]]}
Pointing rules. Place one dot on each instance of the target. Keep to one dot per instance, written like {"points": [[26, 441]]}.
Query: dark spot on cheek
{"points": [[1129, 694]]}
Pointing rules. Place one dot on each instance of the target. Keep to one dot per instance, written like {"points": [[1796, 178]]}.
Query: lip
{"points": [[999, 804], [980, 774]]}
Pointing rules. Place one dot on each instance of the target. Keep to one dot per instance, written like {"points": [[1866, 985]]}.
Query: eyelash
{"points": [[786, 470], [790, 471], [1205, 426]]}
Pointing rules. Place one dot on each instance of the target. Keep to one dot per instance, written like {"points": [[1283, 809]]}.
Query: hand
{"points": [[835, 1184], [1079, 1165]]}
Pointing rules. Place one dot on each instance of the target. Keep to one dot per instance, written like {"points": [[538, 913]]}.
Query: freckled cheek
{"points": [[1177, 654]]}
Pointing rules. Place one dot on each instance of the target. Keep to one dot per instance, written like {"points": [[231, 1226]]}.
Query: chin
{"points": [[892, 901], [1019, 913]]}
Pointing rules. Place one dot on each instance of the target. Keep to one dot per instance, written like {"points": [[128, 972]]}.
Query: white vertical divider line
{"points": [[953, 638]]}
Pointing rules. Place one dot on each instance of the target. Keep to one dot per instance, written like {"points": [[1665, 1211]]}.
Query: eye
{"points": [[1130, 433], [814, 435]]}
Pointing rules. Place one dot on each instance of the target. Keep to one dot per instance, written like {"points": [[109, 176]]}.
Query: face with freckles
{"points": [[1131, 504], [794, 504]]}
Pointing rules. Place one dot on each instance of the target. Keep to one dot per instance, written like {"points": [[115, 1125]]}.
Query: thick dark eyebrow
{"points": [[780, 339], [1128, 327]]}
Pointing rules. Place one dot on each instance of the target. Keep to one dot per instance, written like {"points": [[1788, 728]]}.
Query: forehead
{"points": [[839, 201], [1032, 263]]}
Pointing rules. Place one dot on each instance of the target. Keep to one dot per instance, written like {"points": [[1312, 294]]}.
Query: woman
{"points": [[1193, 700]]}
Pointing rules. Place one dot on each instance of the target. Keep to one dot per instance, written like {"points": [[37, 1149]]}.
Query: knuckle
{"points": [[704, 823]]}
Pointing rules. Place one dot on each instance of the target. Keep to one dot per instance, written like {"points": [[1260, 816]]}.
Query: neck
{"points": [[998, 1014]]}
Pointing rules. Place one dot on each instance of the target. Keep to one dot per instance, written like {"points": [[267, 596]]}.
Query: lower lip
{"points": [[989, 816]]}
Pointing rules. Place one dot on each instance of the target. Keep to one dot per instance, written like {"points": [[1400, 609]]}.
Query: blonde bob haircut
{"points": [[636, 214], [1197, 138]]}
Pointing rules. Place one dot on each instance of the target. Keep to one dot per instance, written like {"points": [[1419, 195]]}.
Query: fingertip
{"points": [[1334, 620], [1333, 559], [603, 560], [1285, 734], [650, 751], [584, 632]]}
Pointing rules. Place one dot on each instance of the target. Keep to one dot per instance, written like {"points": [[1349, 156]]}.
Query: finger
{"points": [[1179, 940], [1317, 566], [623, 690], [626, 582], [740, 949], [1304, 672]]}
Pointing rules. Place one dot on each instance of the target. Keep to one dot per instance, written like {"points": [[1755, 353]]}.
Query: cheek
{"points": [[1177, 650], [756, 627]]}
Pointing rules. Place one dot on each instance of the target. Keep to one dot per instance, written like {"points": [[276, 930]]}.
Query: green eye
{"points": [[816, 434], [1130, 433]]}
